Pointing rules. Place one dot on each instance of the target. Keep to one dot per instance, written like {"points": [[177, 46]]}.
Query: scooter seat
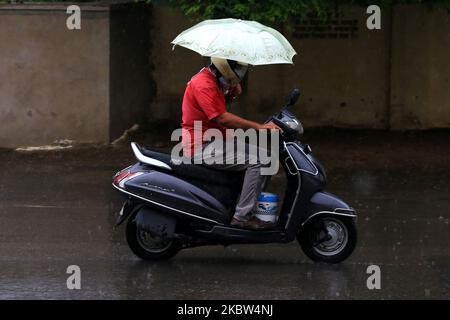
{"points": [[225, 186], [196, 171]]}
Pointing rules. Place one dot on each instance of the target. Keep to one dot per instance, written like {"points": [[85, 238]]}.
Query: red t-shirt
{"points": [[203, 101]]}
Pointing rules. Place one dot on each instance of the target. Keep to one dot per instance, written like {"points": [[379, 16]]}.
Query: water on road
{"points": [[58, 209]]}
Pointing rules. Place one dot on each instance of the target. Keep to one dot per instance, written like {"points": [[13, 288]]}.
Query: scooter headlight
{"points": [[294, 125]]}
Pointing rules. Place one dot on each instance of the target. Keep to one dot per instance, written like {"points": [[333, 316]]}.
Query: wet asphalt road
{"points": [[58, 209]]}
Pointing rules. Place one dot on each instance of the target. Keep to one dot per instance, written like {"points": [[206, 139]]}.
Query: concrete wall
{"points": [[342, 80], [86, 85], [54, 82], [131, 84], [368, 80], [172, 69], [420, 77]]}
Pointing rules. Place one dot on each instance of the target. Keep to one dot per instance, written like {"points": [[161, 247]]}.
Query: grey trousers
{"points": [[253, 180]]}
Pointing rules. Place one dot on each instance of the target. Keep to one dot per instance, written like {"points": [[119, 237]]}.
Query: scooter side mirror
{"points": [[293, 98]]}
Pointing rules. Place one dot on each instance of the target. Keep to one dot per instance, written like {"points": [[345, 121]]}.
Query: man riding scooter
{"points": [[205, 100], [172, 205]]}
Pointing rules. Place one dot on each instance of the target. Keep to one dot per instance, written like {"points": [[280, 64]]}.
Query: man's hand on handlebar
{"points": [[270, 126], [232, 121]]}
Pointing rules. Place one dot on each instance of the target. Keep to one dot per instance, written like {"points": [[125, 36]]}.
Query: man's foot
{"points": [[253, 223]]}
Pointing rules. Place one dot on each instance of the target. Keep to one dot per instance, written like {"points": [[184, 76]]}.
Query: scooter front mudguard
{"points": [[326, 203], [127, 210]]}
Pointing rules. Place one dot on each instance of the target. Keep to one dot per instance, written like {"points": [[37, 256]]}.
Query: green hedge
{"points": [[276, 11], [266, 11]]}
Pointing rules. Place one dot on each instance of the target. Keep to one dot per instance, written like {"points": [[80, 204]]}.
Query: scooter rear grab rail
{"points": [[147, 160]]}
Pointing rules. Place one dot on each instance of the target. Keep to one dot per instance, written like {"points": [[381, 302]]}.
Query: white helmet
{"points": [[232, 71]]}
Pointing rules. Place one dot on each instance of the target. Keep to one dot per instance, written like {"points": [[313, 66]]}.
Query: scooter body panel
{"points": [[327, 203], [305, 178], [226, 235], [160, 189]]}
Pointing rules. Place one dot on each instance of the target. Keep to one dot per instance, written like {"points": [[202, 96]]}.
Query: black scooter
{"points": [[171, 207]]}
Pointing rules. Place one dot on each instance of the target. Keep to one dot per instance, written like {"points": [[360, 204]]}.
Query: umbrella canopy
{"points": [[240, 40]]}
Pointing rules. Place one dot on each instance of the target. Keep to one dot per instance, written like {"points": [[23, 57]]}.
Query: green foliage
{"points": [[275, 11], [50, 1]]}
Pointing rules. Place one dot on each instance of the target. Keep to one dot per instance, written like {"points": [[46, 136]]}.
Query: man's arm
{"points": [[232, 121]]}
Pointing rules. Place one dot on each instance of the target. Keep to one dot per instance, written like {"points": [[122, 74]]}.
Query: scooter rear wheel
{"points": [[334, 245], [148, 247]]}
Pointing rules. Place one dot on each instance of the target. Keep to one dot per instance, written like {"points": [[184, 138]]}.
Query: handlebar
{"points": [[295, 94]]}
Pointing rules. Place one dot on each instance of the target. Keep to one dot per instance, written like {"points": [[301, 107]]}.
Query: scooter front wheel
{"points": [[328, 238], [147, 246]]}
